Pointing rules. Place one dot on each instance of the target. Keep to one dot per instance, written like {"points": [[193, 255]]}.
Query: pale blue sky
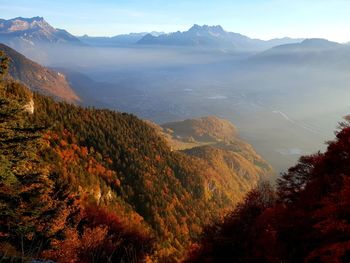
{"points": [[256, 18]]}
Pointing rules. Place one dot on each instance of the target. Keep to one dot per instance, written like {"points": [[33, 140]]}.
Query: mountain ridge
{"points": [[39, 78], [34, 30], [212, 36]]}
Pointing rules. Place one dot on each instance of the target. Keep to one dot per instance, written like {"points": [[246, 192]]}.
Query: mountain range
{"points": [[24, 33], [119, 40], [213, 36], [84, 184]]}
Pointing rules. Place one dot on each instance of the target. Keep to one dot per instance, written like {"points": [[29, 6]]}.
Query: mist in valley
{"points": [[285, 101]]}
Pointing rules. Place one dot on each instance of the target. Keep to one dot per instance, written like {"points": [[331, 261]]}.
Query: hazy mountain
{"points": [[33, 30], [312, 44], [313, 51], [119, 40], [35, 38], [38, 78], [212, 36]]}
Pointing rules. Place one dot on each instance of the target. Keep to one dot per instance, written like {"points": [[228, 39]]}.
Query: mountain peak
{"points": [[22, 24], [320, 42], [196, 28], [30, 19], [19, 32]]}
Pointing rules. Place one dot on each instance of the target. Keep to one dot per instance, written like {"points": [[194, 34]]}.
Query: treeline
{"points": [[306, 219]]}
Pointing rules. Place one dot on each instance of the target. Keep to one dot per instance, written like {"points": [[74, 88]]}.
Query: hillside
{"points": [[216, 143], [161, 186], [122, 175], [206, 129], [118, 163], [306, 219], [38, 78], [208, 135]]}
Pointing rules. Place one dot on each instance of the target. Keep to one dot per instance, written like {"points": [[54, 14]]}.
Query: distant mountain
{"points": [[310, 44], [212, 37], [33, 30], [38, 78], [314, 51], [119, 40], [35, 37]]}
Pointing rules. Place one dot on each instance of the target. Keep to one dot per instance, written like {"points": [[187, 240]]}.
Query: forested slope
{"points": [[306, 219], [107, 185]]}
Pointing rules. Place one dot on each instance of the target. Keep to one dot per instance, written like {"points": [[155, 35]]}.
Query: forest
{"points": [[305, 219], [72, 174], [94, 185]]}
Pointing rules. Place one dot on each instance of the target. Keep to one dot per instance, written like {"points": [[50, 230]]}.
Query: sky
{"points": [[264, 19]]}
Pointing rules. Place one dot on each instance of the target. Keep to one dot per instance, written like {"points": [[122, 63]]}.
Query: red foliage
{"points": [[310, 222], [101, 237]]}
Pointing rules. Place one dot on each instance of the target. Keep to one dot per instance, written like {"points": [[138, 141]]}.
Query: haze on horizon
{"points": [[264, 19]]}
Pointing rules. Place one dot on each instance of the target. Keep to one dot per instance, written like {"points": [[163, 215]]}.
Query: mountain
{"points": [[119, 40], [33, 31], [109, 182], [312, 44], [36, 38], [212, 37], [38, 78], [313, 51]]}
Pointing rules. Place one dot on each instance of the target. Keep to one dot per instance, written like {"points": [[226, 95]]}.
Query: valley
{"points": [[201, 145], [263, 101]]}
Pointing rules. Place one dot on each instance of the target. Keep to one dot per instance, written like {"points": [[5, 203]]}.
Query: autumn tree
{"points": [[308, 220], [28, 196]]}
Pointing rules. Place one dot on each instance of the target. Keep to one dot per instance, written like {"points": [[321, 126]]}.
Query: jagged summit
{"points": [[23, 24], [19, 32], [206, 28], [211, 37]]}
